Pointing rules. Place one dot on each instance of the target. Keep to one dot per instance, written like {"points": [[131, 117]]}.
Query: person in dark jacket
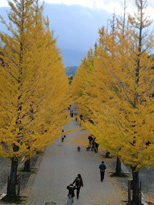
{"points": [[102, 168], [90, 141], [93, 143], [62, 136], [96, 145], [78, 183], [71, 194]]}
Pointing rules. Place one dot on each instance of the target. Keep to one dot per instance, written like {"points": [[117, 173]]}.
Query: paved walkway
{"points": [[60, 165]]}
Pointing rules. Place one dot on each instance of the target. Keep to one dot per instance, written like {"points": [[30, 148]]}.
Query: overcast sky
{"points": [[108, 5], [76, 23]]}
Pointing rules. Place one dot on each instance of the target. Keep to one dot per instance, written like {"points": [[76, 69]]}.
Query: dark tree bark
{"points": [[118, 167], [11, 191], [136, 188], [27, 166]]}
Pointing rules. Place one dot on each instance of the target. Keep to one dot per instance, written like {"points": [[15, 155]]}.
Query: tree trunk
{"points": [[118, 167], [27, 166], [136, 188], [11, 192]]}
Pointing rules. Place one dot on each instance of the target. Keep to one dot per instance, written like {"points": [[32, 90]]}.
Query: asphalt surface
{"points": [[60, 165]]}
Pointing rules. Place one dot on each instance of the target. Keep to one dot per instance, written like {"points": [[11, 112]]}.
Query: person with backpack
{"points": [[78, 183]]}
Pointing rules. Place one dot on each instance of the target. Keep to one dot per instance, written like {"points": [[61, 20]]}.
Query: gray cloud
{"points": [[75, 27]]}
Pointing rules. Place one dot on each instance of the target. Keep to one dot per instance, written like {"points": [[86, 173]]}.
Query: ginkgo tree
{"points": [[122, 105], [80, 85], [34, 90]]}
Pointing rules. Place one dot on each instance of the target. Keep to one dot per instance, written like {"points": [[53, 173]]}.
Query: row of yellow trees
{"points": [[114, 89], [33, 86]]}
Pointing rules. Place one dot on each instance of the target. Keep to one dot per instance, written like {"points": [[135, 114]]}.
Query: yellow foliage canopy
{"points": [[34, 90], [117, 96]]}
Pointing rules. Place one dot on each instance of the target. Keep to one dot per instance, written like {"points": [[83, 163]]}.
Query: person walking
{"points": [[96, 145], [71, 194], [62, 136], [102, 168], [71, 113], [90, 141], [93, 143], [78, 183]]}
